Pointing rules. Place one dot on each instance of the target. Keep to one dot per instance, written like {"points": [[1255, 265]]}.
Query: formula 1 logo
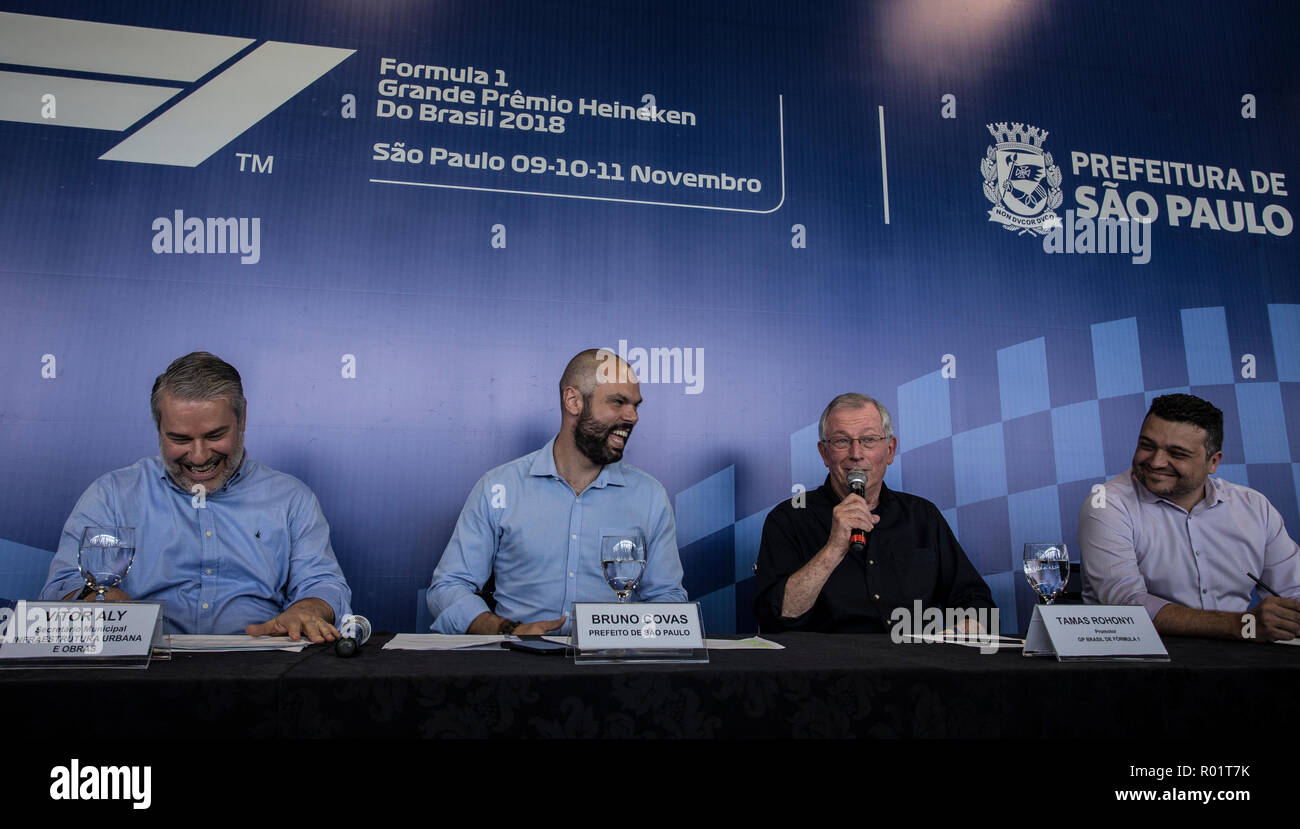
{"points": [[1020, 179], [217, 86]]}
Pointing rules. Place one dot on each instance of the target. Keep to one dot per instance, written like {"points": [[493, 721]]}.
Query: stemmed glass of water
{"points": [[622, 558], [105, 556], [1047, 566]]}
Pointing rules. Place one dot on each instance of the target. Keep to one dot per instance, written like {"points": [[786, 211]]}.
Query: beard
{"points": [[1170, 488], [180, 472], [592, 439]]}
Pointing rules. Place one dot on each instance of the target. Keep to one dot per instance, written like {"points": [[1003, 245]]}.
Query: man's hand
{"points": [[805, 584], [539, 628], [1276, 618], [850, 513], [969, 627], [489, 624], [310, 617]]}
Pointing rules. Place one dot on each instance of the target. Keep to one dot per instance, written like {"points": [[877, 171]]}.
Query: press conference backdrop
{"points": [[1013, 222]]}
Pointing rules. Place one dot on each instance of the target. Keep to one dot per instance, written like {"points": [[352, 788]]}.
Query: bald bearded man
{"points": [[535, 523]]}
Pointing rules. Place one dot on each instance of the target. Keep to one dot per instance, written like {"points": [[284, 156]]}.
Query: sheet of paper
{"points": [[753, 643], [190, 643], [443, 642], [1286, 641], [967, 640]]}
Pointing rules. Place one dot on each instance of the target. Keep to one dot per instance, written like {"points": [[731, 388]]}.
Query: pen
{"points": [[1262, 585]]}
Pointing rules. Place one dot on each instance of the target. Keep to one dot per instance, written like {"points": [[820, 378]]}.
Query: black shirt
{"points": [[911, 554]]}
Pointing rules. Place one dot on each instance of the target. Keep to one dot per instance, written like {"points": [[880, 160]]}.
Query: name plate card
{"points": [[642, 632], [1094, 632], [79, 633]]}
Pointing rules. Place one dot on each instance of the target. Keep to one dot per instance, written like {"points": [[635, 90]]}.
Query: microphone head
{"points": [[857, 481], [345, 647]]}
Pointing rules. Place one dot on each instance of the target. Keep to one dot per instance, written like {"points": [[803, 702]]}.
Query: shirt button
{"points": [[209, 571], [208, 533], [574, 537], [205, 605], [570, 575], [876, 596], [870, 561], [1205, 591]]}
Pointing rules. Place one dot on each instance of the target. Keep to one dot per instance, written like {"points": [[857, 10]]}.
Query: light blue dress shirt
{"points": [[523, 521], [254, 547], [1137, 548]]}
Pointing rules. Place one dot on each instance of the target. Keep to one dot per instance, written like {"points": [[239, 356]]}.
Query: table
{"points": [[820, 686]]}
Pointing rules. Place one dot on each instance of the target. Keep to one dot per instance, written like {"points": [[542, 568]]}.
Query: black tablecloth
{"points": [[819, 686]]}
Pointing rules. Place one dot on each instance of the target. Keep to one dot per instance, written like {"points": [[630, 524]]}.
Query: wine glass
{"points": [[105, 556], [622, 557], [1047, 566]]}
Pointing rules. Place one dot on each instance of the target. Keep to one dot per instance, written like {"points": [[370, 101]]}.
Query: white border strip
{"points": [[228, 105], [884, 170], [110, 49]]}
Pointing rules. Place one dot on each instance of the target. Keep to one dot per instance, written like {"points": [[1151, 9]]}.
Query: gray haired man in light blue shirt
{"points": [[231, 545]]}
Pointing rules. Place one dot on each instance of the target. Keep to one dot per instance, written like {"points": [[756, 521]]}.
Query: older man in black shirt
{"points": [[807, 576]]}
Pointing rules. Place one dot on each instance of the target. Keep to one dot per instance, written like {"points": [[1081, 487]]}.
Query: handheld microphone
{"points": [[858, 485], [354, 632]]}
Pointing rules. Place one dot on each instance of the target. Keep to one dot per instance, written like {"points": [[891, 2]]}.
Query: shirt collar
{"points": [[1215, 492], [611, 474]]}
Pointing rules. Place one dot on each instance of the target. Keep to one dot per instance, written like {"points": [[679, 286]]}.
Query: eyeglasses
{"points": [[867, 442]]}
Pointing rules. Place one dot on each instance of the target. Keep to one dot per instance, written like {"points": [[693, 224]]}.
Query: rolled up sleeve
{"points": [[778, 559], [1281, 556]]}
